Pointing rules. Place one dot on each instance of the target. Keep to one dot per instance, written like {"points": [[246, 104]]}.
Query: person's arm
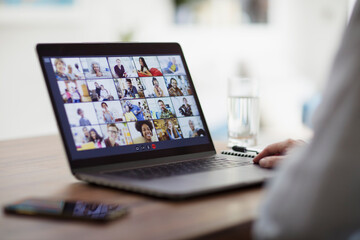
{"points": [[139, 109], [122, 71], [275, 153], [134, 117], [316, 194], [169, 134], [135, 90], [160, 92], [117, 71], [190, 111], [156, 92], [181, 110], [147, 73], [178, 134], [111, 115], [136, 110]]}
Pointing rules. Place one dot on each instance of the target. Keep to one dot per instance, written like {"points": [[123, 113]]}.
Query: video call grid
{"points": [[160, 79]]}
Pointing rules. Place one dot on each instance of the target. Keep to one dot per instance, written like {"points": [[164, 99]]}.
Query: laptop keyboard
{"points": [[182, 168]]}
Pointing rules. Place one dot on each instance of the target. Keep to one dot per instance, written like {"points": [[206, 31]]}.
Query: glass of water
{"points": [[243, 111]]}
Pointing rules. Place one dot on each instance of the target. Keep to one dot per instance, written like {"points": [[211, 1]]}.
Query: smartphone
{"points": [[80, 210]]}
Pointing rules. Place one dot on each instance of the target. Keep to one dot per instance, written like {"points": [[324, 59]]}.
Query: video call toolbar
{"points": [[119, 101]]}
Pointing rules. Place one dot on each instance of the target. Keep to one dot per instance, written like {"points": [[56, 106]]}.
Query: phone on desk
{"points": [[80, 210]]}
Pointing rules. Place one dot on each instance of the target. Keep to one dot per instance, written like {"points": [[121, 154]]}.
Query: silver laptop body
{"points": [[130, 118]]}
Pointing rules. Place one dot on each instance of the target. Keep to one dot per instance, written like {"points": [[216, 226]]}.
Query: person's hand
{"points": [[274, 153]]}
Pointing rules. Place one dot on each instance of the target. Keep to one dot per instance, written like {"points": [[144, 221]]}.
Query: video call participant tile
{"points": [[147, 66], [88, 137], [154, 87], [171, 65], [129, 88], [109, 112], [81, 114], [137, 108], [116, 134], [143, 132], [161, 108], [177, 85], [122, 67], [185, 106], [74, 91], [102, 90], [95, 68], [168, 129], [67, 69], [191, 127]]}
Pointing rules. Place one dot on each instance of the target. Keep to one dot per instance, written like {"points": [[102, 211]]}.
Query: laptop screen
{"points": [[124, 104]]}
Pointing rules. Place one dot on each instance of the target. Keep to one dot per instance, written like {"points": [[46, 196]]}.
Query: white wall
{"points": [[290, 56], [25, 108]]}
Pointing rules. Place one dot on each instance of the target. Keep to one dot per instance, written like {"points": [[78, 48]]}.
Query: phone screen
{"points": [[67, 209]]}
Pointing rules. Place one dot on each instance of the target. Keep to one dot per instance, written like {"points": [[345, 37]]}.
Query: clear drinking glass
{"points": [[243, 111]]}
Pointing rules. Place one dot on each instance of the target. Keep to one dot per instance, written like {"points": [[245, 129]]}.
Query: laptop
{"points": [[130, 118]]}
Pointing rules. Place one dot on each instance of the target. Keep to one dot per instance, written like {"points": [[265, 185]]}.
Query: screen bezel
{"points": [[101, 49]]}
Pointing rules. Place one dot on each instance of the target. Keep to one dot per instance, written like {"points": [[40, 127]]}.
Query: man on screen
{"points": [[185, 109], [136, 110], [195, 132], [113, 132], [83, 121], [173, 88], [86, 137], [119, 69], [131, 91], [97, 89], [165, 113], [60, 66], [157, 89]]}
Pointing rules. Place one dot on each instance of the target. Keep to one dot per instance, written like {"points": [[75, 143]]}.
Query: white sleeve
{"points": [[316, 194]]}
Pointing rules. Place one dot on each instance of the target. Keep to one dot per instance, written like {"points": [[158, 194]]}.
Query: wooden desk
{"points": [[37, 167]]}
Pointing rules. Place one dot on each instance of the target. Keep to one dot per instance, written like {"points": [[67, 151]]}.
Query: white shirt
{"points": [[104, 93], [316, 194]]}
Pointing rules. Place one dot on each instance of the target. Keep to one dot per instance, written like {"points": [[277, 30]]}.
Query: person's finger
{"points": [[270, 162], [274, 149]]}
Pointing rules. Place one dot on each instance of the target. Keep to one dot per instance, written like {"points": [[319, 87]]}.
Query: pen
{"points": [[243, 149]]}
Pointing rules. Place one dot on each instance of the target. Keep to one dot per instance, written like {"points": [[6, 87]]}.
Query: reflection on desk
{"points": [[37, 167]]}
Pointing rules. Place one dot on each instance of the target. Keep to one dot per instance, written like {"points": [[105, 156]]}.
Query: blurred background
{"points": [[287, 45]]}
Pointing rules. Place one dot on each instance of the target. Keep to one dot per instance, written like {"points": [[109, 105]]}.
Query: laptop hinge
{"points": [[142, 163]]}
